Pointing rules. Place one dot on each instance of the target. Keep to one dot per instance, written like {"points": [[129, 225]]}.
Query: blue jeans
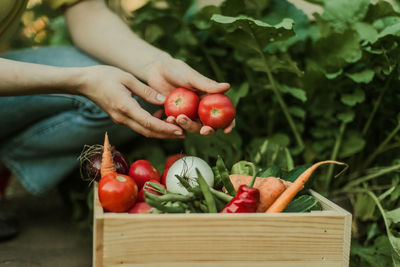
{"points": [[41, 136]]}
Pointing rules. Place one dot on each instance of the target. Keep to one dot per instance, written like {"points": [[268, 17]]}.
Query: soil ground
{"points": [[47, 236]]}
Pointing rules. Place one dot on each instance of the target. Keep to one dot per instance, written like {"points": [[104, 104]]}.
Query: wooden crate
{"points": [[315, 239]]}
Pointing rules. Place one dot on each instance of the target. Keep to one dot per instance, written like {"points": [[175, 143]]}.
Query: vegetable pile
{"points": [[191, 185]]}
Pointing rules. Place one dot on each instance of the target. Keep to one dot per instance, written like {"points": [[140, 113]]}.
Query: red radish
{"points": [[182, 101], [164, 177], [90, 161], [171, 159], [141, 207], [216, 111], [147, 188], [142, 171], [117, 192]]}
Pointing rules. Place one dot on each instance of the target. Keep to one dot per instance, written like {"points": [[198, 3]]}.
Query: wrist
{"points": [[78, 81]]}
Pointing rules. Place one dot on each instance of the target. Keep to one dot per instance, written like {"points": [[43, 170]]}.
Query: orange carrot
{"points": [[270, 188], [107, 163], [284, 199]]}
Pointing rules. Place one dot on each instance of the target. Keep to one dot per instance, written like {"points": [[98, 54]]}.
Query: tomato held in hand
{"points": [[182, 101], [141, 207], [216, 111], [141, 195], [171, 159], [142, 171], [117, 192]]}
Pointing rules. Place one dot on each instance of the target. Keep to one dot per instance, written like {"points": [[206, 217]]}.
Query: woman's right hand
{"points": [[111, 89]]}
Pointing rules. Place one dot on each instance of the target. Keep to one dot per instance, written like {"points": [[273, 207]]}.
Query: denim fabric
{"points": [[42, 135]]}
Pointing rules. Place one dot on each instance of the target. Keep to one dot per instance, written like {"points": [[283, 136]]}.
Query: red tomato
{"points": [[117, 192], [182, 101], [216, 111], [141, 207], [141, 195], [171, 159], [142, 171], [164, 177]]}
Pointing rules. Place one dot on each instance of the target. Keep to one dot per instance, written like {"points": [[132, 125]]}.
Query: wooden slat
{"points": [[252, 239], [319, 238]]}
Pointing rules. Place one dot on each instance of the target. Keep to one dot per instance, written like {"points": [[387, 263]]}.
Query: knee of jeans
{"points": [[91, 112]]}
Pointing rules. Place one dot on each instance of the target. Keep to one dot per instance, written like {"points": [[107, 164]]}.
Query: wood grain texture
{"points": [[285, 239]]}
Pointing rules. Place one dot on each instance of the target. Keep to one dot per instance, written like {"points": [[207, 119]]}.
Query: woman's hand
{"points": [[167, 74], [111, 89]]}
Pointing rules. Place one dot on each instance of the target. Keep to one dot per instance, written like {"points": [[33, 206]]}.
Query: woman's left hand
{"points": [[167, 74]]}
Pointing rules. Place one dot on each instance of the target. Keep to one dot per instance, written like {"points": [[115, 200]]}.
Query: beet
{"points": [[90, 162]]}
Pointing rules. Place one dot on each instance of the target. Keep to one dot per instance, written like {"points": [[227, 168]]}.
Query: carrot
{"points": [[270, 188], [107, 163], [284, 199]]}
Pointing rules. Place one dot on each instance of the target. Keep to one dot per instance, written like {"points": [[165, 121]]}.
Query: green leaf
{"points": [[376, 255], [364, 76], [207, 148], [352, 99], [202, 18], [295, 173], [366, 31], [236, 93], [263, 152], [337, 50], [271, 171], [281, 139], [352, 144], [364, 207], [304, 203], [341, 13], [295, 92], [347, 116], [277, 11], [391, 30], [393, 215], [245, 32], [233, 7], [298, 112]]}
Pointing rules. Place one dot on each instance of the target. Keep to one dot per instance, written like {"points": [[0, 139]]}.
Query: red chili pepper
{"points": [[246, 200]]}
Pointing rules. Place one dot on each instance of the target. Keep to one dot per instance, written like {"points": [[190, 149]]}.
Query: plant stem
{"points": [[335, 152], [218, 73], [371, 158], [370, 177], [281, 102], [375, 109], [389, 147]]}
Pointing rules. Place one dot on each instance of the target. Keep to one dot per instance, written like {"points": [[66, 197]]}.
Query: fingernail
{"points": [[178, 132], [183, 121], [160, 97], [223, 84]]}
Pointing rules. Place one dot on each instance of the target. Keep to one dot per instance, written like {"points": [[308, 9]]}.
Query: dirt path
{"points": [[47, 237]]}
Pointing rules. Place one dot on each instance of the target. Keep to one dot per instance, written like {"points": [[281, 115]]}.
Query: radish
{"points": [[186, 167]]}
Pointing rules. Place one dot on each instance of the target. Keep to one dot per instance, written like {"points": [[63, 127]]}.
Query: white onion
{"points": [[186, 168]]}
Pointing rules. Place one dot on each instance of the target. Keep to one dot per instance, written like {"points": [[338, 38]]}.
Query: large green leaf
{"points": [[343, 13], [244, 32]]}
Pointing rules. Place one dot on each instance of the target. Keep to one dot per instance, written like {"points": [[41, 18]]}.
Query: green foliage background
{"points": [[318, 89]]}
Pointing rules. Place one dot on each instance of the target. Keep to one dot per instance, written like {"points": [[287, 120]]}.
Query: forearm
{"points": [[20, 78], [99, 32]]}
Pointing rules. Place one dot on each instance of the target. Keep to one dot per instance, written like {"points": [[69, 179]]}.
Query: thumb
{"points": [[144, 91], [205, 84]]}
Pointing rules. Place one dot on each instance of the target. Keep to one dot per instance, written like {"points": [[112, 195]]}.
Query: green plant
{"points": [[323, 88]]}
